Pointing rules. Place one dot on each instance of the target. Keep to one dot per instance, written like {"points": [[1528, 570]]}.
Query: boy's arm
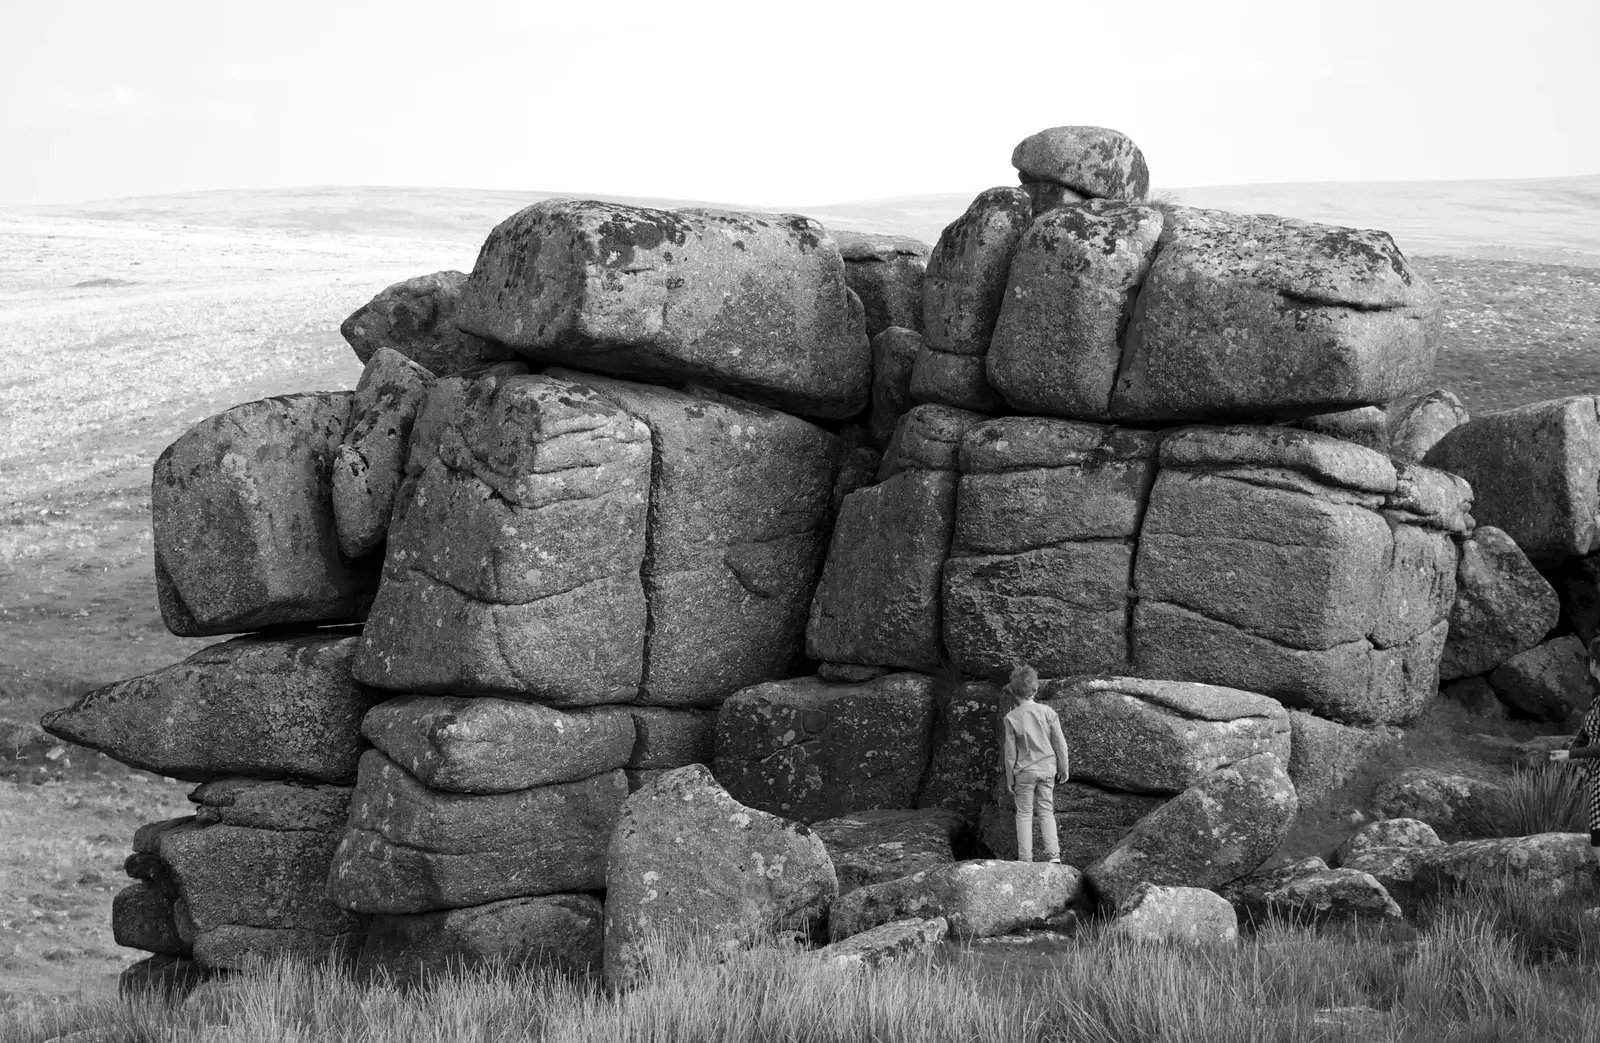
{"points": [[1008, 756], [1059, 742]]}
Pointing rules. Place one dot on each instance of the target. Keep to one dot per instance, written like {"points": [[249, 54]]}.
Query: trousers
{"points": [[1035, 796]]}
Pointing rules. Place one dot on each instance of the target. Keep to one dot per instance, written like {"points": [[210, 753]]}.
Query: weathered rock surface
{"points": [[1254, 316], [1057, 342], [752, 304], [1423, 422], [1089, 821], [417, 318], [1216, 831], [886, 272], [1550, 681], [967, 271], [894, 357], [241, 507], [250, 706], [561, 933], [965, 758], [1277, 561], [1192, 915], [667, 738], [686, 858], [1577, 585], [871, 847], [372, 455], [1093, 161], [1503, 606], [142, 918], [1323, 753], [168, 977], [1144, 736], [247, 894], [877, 602], [411, 849], [1543, 866], [1043, 546], [928, 438], [953, 378], [489, 745], [1365, 426], [1406, 833], [1533, 472], [807, 749], [978, 898], [1447, 801], [739, 509], [514, 556], [898, 940], [272, 804], [1308, 891], [1475, 695]]}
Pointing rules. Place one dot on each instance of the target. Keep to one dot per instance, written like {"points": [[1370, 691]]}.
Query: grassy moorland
{"points": [[122, 324]]}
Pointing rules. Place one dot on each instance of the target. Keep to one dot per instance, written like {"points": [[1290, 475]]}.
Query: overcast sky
{"points": [[780, 104]]}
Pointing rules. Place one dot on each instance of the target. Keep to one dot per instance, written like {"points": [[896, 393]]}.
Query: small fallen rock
{"points": [[1406, 833], [887, 943], [1174, 914], [979, 898]]}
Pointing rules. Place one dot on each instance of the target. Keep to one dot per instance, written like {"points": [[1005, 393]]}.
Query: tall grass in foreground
{"points": [[1463, 977], [1546, 798]]}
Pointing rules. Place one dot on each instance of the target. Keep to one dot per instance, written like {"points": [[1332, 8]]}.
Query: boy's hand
{"points": [[1061, 776], [1560, 755], [1011, 782]]}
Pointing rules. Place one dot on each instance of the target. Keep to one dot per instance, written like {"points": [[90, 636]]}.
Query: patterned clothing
{"points": [[1589, 736]]}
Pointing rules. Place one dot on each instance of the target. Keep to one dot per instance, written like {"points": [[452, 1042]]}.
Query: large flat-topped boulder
{"points": [[869, 847], [1534, 473], [251, 706], [688, 859], [808, 749], [1295, 565], [739, 510], [513, 564], [417, 318], [372, 456], [242, 512], [411, 849], [1146, 736], [752, 304], [1041, 563], [886, 272], [1094, 162], [272, 804], [487, 745], [980, 898], [1252, 316], [1057, 343]]}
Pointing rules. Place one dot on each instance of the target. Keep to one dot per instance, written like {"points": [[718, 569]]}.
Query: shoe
{"points": [[1054, 861]]}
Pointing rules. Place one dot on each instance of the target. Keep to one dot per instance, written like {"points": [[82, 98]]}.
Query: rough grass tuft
{"points": [[1546, 798]]}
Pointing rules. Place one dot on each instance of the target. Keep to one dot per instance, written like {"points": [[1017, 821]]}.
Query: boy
{"points": [[1035, 759]]}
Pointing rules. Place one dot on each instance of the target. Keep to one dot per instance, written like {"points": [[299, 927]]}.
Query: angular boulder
{"points": [[1547, 866], [1143, 736], [1092, 161], [952, 379], [808, 749], [886, 272], [250, 706], [1214, 832], [1534, 473], [1475, 695], [1503, 606], [411, 849], [871, 847], [1550, 681], [1323, 754], [372, 455], [1417, 428], [668, 738], [1299, 566], [752, 304], [1365, 426], [1309, 892], [489, 745], [739, 510], [561, 933], [241, 508], [514, 555], [980, 898], [142, 918], [1057, 342], [899, 940], [1189, 915], [1042, 552], [1405, 833], [928, 438], [894, 357], [1255, 316], [272, 804], [417, 318], [688, 859], [1577, 584], [1448, 801], [964, 761], [967, 271]]}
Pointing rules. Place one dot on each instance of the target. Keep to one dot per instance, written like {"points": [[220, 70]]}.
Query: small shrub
{"points": [[1547, 798]]}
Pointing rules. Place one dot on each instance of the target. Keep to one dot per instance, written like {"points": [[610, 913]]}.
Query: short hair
{"points": [[1023, 672]]}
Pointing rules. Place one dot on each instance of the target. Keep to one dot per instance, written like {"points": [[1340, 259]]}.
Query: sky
{"points": [[772, 104]]}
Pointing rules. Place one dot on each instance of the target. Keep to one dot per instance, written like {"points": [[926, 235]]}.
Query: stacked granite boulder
{"points": [[648, 490]]}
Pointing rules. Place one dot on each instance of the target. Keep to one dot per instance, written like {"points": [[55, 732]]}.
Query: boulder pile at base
{"points": [[664, 569]]}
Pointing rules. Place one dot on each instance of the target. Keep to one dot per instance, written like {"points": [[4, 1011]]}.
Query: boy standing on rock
{"points": [[1035, 759]]}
